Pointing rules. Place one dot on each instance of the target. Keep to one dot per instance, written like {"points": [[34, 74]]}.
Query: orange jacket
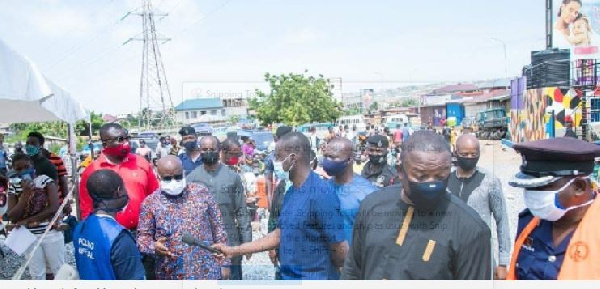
{"points": [[583, 253]]}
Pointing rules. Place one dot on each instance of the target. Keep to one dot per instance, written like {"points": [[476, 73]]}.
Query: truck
{"points": [[492, 124]]}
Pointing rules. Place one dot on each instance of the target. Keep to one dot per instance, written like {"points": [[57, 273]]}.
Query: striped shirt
{"points": [[37, 203], [60, 169]]}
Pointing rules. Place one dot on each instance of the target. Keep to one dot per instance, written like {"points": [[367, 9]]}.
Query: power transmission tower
{"points": [[155, 97]]}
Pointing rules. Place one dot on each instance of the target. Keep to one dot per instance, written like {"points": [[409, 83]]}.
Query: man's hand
{"points": [[161, 249], [225, 272], [273, 257], [228, 252], [500, 273]]}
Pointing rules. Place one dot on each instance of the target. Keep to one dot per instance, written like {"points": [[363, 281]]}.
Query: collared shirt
{"points": [[139, 180], [228, 191], [194, 212], [351, 195], [310, 222], [189, 165], [539, 259], [395, 241]]}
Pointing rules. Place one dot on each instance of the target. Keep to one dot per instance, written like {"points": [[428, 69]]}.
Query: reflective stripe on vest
{"points": [[583, 252]]}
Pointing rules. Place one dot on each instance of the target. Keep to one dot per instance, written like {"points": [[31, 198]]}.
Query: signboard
{"points": [[576, 26]]}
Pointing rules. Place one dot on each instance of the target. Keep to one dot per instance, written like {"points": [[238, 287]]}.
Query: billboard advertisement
{"points": [[576, 26]]}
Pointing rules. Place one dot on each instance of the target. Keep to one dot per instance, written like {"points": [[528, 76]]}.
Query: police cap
{"points": [[378, 141], [546, 161], [187, 130]]}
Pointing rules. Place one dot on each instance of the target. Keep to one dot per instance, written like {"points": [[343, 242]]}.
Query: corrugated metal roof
{"points": [[200, 103]]}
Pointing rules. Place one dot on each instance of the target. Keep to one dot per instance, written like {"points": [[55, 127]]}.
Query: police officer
{"points": [[104, 249], [557, 236], [377, 170]]}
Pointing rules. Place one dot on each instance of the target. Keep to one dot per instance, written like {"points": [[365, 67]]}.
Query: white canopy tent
{"points": [[27, 96]]}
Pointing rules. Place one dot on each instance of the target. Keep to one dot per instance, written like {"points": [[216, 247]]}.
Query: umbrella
{"points": [[26, 95]]}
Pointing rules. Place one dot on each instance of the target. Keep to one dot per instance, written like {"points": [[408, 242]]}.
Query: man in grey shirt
{"points": [[483, 192], [227, 189]]}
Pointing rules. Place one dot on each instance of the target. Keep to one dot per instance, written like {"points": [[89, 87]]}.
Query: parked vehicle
{"points": [[203, 129], [262, 139], [492, 124], [322, 128], [393, 121], [351, 121]]}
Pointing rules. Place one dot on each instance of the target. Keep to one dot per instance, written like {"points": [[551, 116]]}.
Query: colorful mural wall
{"points": [[531, 111]]}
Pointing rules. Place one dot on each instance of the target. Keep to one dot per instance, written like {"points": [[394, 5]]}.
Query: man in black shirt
{"points": [[377, 170], [418, 230]]}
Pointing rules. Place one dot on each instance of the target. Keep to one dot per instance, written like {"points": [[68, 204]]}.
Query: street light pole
{"points": [[505, 56]]}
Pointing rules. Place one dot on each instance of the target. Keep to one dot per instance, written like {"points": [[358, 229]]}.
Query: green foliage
{"points": [[57, 129], [82, 127], [296, 99], [234, 119], [410, 102], [55, 148], [374, 106]]}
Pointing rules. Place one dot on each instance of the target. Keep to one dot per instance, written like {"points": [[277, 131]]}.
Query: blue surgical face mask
{"points": [[32, 150], [334, 168]]}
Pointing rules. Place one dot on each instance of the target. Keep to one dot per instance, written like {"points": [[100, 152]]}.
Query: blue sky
{"points": [[78, 43]]}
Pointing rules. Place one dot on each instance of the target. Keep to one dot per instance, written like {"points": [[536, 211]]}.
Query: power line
{"points": [[203, 18], [94, 15]]}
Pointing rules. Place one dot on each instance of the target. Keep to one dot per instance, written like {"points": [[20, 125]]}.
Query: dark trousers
{"points": [[236, 268], [149, 266], [147, 260]]}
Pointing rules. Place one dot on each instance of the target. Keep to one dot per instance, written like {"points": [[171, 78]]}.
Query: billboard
{"points": [[576, 26]]}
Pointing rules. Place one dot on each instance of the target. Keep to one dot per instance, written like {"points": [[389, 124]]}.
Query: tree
{"points": [[296, 99], [234, 119], [410, 102], [83, 127], [374, 106]]}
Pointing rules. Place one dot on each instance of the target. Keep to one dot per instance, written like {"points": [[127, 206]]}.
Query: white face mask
{"points": [[545, 204], [280, 173], [173, 188]]}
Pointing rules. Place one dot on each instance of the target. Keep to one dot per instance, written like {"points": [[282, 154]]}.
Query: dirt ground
{"points": [[504, 164]]}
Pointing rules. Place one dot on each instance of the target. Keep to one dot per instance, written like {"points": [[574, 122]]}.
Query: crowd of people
{"points": [[417, 207]]}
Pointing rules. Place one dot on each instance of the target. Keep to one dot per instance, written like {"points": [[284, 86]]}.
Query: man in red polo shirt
{"points": [[136, 172]]}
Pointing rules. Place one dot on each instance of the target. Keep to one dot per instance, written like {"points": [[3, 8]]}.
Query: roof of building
{"points": [[455, 88], [200, 103]]}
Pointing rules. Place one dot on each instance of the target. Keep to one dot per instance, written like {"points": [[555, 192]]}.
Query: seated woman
{"points": [[33, 202]]}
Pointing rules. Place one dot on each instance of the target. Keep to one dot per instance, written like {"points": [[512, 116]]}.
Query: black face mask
{"points": [[210, 158], [427, 195], [378, 159], [467, 164]]}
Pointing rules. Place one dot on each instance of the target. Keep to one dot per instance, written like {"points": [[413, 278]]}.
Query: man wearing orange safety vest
{"points": [[558, 236]]}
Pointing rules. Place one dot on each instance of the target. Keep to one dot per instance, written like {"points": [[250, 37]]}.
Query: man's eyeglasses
{"points": [[170, 178]]}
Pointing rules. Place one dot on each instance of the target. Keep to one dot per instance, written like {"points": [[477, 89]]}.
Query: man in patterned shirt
{"points": [[176, 209]]}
